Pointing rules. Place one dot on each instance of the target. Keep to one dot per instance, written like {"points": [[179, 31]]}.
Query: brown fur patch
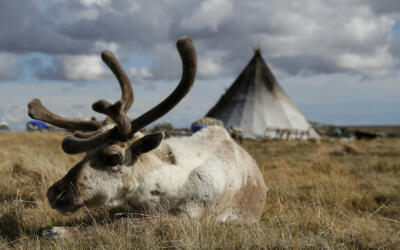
{"points": [[164, 152], [72, 177], [246, 205], [249, 202], [170, 156]]}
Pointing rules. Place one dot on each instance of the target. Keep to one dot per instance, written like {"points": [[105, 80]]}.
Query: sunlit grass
{"points": [[323, 194]]}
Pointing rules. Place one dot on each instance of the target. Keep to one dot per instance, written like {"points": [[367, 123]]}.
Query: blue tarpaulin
{"points": [[196, 127], [37, 123]]}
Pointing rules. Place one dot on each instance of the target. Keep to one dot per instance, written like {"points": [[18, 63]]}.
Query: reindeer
{"points": [[207, 173]]}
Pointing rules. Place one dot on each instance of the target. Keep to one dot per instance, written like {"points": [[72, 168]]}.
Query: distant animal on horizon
{"points": [[205, 174]]}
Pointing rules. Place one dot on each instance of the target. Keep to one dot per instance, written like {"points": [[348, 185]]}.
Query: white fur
{"points": [[209, 167], [208, 172]]}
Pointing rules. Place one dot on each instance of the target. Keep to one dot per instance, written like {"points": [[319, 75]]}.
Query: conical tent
{"points": [[256, 104]]}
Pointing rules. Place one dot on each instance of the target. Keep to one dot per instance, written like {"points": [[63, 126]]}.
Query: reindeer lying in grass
{"points": [[205, 173]]}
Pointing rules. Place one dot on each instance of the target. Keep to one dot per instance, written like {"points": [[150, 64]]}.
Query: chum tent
{"points": [[256, 104]]}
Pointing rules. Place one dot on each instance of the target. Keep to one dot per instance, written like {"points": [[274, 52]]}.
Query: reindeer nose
{"points": [[57, 195]]}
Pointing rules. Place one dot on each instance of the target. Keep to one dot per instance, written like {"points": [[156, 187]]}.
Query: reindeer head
{"points": [[103, 176]]}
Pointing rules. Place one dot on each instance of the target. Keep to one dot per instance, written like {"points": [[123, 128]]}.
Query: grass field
{"points": [[324, 194]]}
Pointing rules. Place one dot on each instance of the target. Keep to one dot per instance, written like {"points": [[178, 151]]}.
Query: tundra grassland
{"points": [[323, 194]]}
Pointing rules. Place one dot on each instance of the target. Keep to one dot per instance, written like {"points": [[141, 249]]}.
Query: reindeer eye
{"points": [[113, 160]]}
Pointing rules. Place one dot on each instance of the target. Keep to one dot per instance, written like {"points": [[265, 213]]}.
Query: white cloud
{"points": [[208, 68], [208, 15], [300, 36], [8, 64], [86, 13], [379, 64], [318, 38], [140, 75], [362, 29], [103, 45], [83, 67], [89, 3]]}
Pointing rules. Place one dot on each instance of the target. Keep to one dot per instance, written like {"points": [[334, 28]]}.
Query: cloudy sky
{"points": [[338, 60]]}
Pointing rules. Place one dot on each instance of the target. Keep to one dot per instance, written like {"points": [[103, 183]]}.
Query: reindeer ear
{"points": [[147, 143]]}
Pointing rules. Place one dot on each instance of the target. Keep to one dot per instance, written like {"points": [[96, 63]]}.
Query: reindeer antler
{"points": [[189, 65], [125, 129], [37, 111], [117, 113], [74, 144], [123, 79]]}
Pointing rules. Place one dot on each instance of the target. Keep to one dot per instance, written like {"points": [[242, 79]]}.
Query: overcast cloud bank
{"points": [[62, 39], [315, 37]]}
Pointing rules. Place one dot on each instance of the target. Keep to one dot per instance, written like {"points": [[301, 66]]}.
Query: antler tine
{"points": [[117, 113], [189, 64], [124, 82], [78, 143], [37, 111]]}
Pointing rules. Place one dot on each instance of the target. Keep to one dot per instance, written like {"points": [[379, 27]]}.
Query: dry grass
{"points": [[322, 195]]}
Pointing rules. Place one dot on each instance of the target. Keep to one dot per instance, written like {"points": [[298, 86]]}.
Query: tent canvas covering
{"points": [[257, 105]]}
